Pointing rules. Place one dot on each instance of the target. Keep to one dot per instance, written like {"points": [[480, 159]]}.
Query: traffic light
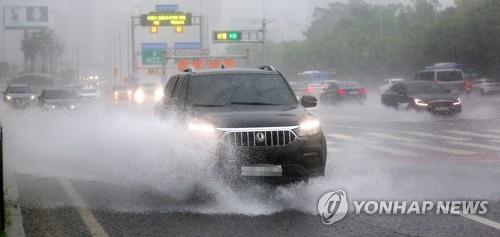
{"points": [[179, 29], [227, 36], [154, 30]]}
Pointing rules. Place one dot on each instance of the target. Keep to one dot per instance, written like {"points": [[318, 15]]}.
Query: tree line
{"points": [[368, 41]]}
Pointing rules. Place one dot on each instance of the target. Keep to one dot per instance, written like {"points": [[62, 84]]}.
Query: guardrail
{"points": [[2, 205]]}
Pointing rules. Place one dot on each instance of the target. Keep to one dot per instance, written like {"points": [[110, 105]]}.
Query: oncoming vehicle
{"points": [[148, 92], [122, 93], [19, 96], [52, 99], [344, 91], [422, 96], [88, 93], [37, 81], [256, 117]]}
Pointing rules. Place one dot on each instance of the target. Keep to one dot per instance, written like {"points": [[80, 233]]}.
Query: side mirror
{"points": [[309, 101]]}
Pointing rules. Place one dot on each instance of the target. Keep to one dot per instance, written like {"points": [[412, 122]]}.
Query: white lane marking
{"points": [[390, 150], [439, 149], [430, 135], [492, 130], [475, 145], [88, 218], [340, 136], [390, 137], [333, 149], [482, 220], [464, 133]]}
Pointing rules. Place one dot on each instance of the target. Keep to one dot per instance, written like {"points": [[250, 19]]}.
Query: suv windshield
{"points": [[425, 88], [57, 94], [240, 89], [18, 90]]}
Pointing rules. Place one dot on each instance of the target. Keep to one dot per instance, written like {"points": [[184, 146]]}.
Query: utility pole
{"points": [[264, 33], [132, 46]]}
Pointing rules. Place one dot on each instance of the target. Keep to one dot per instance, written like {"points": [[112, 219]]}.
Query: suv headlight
{"points": [[309, 127], [8, 97], [421, 103], [158, 94], [201, 127], [457, 102]]}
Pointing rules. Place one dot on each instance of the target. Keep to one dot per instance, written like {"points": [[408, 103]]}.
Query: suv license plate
{"points": [[441, 109], [262, 171]]}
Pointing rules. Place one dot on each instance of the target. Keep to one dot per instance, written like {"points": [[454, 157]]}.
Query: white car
{"points": [[388, 83], [486, 86], [88, 93]]}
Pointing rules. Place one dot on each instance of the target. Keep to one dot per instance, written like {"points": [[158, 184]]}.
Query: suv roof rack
{"points": [[268, 68], [189, 69]]}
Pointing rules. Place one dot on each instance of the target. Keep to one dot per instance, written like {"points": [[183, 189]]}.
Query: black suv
{"points": [[262, 128]]}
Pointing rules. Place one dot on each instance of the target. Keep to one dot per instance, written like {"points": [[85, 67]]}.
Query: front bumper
{"points": [[303, 158]]}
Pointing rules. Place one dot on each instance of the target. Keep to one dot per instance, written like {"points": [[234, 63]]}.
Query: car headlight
{"points": [[139, 96], [201, 127], [8, 97], [72, 106], [116, 94], [32, 97], [158, 94], [457, 102], [421, 103], [309, 127]]}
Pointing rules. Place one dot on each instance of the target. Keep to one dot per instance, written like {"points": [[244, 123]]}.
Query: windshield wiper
{"points": [[206, 105], [251, 103]]}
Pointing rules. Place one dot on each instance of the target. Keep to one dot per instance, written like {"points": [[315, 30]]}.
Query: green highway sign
{"points": [[153, 53], [227, 36]]}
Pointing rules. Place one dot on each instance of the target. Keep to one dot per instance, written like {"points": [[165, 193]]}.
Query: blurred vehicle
{"points": [[88, 94], [388, 83], [37, 81], [452, 76], [52, 99], [252, 113], [148, 92], [19, 96], [344, 91], [486, 86], [122, 93], [422, 96]]}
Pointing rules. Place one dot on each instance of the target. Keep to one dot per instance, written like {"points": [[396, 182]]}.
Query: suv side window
{"points": [[449, 76], [170, 86], [177, 88], [425, 76]]}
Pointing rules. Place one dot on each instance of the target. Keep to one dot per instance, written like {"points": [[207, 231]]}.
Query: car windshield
{"points": [[240, 89], [18, 90], [425, 88], [58, 94]]}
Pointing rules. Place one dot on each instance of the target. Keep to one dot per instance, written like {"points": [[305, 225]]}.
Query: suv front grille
{"points": [[260, 137]]}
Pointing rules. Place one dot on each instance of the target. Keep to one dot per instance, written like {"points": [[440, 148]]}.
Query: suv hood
{"points": [[251, 116]]}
